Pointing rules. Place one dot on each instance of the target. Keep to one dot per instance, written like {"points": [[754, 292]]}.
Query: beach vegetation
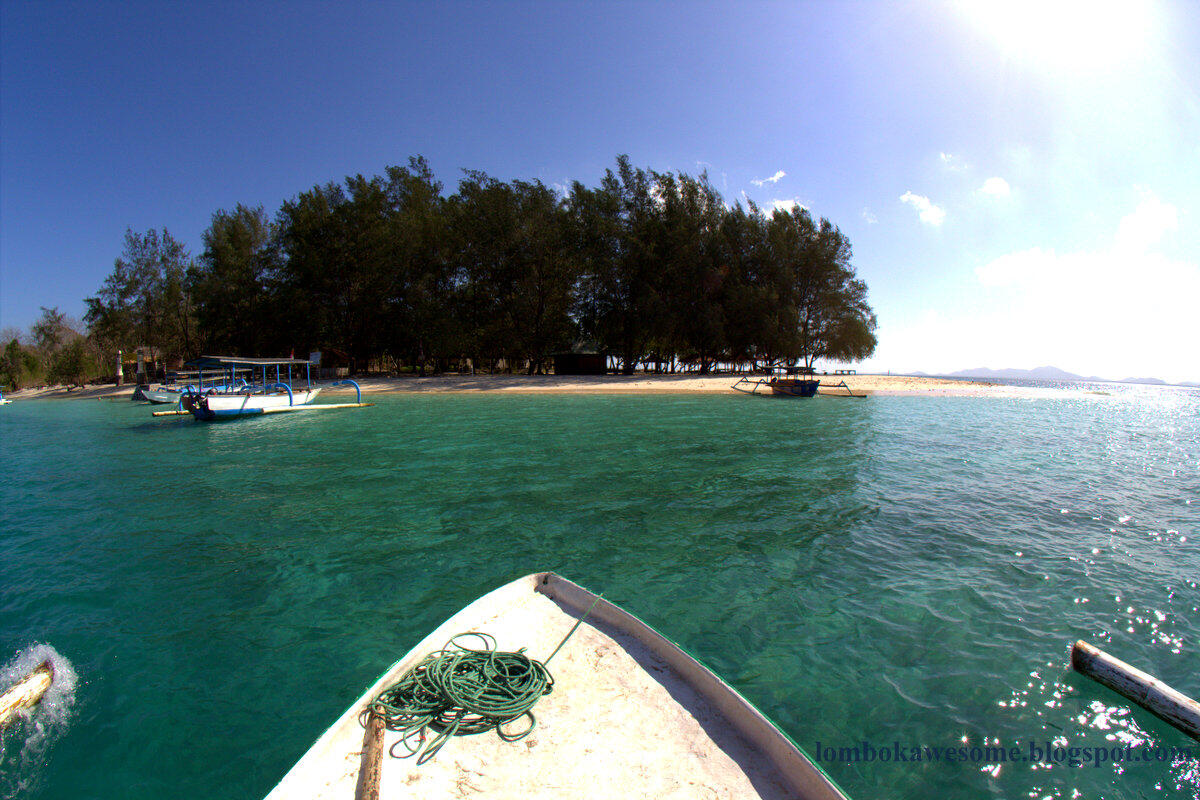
{"points": [[19, 365], [74, 363], [514, 270], [229, 284], [398, 275], [144, 302], [57, 349]]}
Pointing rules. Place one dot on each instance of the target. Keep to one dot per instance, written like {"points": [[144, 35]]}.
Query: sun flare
{"points": [[1066, 34]]}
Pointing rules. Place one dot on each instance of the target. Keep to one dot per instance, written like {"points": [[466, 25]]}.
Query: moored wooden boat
{"points": [[789, 382], [160, 396], [631, 715], [247, 403], [794, 387]]}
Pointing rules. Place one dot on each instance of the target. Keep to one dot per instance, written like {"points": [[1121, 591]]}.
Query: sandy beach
{"points": [[607, 384]]}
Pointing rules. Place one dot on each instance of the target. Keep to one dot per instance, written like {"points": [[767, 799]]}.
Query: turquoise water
{"points": [[894, 569]]}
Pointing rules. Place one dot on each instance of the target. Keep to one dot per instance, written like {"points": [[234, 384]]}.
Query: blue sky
{"points": [[1020, 180]]}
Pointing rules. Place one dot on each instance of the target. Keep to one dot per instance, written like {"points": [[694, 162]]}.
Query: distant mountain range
{"points": [[1050, 374]]}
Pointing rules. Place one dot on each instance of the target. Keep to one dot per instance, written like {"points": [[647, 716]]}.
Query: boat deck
{"points": [[630, 715]]}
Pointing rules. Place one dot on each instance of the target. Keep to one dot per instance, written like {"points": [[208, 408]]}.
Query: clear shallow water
{"points": [[895, 569]]}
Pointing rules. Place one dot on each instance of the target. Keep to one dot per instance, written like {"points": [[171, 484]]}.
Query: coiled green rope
{"points": [[461, 690]]}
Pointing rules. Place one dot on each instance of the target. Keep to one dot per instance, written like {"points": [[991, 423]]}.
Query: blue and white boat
{"points": [[169, 392], [269, 388]]}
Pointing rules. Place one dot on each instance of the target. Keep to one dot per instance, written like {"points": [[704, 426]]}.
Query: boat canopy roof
{"points": [[210, 362], [191, 373]]}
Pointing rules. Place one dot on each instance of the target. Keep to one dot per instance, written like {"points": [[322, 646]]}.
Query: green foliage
{"points": [[229, 285], [618, 234], [74, 363], [19, 366], [144, 301], [387, 269], [514, 269], [50, 331]]}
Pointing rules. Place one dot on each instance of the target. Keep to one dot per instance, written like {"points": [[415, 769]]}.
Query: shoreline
{"points": [[884, 385]]}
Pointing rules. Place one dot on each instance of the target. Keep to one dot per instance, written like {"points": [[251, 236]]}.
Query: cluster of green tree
{"points": [[54, 351], [645, 266]]}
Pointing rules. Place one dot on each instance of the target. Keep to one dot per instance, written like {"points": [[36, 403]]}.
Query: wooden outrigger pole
{"points": [[750, 387], [849, 391], [26, 693], [1147, 691]]}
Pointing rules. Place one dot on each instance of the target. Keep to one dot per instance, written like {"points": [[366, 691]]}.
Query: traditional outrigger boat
{"points": [[267, 394], [788, 382], [630, 715], [242, 398], [169, 392], [794, 382]]}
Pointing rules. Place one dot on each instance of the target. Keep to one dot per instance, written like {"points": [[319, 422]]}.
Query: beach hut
{"points": [[581, 359]]}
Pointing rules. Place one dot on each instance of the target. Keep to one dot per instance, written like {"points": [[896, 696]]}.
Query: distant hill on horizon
{"points": [[1051, 374]]}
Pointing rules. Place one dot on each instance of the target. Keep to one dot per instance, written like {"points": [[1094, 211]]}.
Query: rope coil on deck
{"points": [[460, 691]]}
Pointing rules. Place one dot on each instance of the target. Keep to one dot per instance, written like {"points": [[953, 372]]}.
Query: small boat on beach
{"points": [[630, 714]]}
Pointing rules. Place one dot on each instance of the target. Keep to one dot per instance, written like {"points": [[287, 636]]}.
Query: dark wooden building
{"points": [[579, 362]]}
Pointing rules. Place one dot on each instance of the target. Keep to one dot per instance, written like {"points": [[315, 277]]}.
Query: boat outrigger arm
{"points": [[792, 382]]}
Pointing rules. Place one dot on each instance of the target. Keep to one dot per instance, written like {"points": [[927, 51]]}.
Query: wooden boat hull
{"points": [[631, 715], [785, 387], [160, 396]]}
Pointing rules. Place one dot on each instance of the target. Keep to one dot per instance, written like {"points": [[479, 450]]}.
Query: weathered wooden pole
{"points": [[370, 767], [1147, 691], [25, 693]]}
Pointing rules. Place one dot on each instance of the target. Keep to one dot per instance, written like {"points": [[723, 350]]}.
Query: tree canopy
{"points": [[390, 271]]}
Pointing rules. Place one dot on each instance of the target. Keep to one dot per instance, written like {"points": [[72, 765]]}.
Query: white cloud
{"points": [[929, 213], [870, 218], [995, 187], [1086, 272], [1090, 311], [1147, 225], [953, 163], [788, 205], [773, 179]]}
